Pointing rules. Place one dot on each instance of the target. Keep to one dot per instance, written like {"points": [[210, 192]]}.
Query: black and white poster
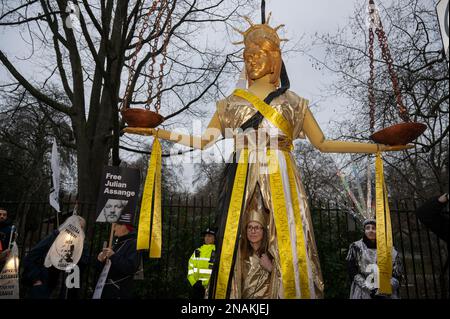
{"points": [[118, 196], [67, 248]]}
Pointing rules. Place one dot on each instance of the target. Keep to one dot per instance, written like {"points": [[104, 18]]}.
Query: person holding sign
{"points": [[5, 232], [124, 259], [362, 266], [42, 278]]}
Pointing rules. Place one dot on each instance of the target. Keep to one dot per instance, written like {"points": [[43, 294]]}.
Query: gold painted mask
{"points": [[262, 54]]}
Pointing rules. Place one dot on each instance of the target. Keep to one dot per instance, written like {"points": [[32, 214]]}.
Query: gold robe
{"points": [[256, 284], [233, 112]]}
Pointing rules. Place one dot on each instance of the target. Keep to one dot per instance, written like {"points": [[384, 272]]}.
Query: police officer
{"points": [[201, 265]]}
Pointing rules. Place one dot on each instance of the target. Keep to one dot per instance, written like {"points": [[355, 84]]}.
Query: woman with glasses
{"points": [[255, 273]]}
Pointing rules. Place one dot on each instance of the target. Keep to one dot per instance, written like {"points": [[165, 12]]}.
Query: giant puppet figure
{"points": [[262, 189]]}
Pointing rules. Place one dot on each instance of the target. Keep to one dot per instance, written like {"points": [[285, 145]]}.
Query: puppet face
{"points": [[258, 62], [262, 57]]}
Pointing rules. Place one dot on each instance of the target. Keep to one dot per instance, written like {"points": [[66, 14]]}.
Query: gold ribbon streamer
{"points": [[281, 225], [231, 227], [267, 111], [152, 185], [156, 236], [301, 247], [384, 231]]}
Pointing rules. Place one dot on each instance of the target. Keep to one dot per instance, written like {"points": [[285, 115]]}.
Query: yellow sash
{"points": [[267, 111], [384, 231], [279, 211], [152, 188]]}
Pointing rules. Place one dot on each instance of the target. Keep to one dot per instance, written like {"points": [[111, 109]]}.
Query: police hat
{"points": [[209, 230]]}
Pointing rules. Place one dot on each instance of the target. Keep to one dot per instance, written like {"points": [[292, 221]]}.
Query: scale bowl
{"points": [[399, 134], [142, 118]]}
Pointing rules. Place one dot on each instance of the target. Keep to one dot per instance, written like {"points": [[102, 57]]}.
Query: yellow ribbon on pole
{"points": [[384, 231], [151, 198], [232, 225]]}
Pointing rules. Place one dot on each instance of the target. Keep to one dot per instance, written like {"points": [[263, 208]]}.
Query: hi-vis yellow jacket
{"points": [[201, 264]]}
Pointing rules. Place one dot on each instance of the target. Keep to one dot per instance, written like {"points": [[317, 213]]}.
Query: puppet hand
{"points": [[389, 148], [141, 131]]}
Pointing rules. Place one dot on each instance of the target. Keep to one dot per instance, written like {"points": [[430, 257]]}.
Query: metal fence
{"points": [[423, 255]]}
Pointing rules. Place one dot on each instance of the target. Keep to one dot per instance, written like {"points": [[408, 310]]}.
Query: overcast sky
{"points": [[303, 18]]}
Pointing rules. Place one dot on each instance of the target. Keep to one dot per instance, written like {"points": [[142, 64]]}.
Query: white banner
{"points": [[67, 248], [443, 16], [56, 173], [102, 280], [9, 277]]}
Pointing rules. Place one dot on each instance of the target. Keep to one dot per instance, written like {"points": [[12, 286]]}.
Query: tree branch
{"points": [[35, 92], [203, 93]]}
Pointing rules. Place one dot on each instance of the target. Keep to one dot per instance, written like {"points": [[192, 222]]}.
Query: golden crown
{"points": [[260, 31], [256, 216]]}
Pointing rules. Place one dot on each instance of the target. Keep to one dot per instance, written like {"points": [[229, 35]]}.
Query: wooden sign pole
{"points": [[111, 235]]}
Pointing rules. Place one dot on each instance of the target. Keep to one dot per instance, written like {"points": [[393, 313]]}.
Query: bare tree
{"points": [[415, 44], [88, 47], [26, 128]]}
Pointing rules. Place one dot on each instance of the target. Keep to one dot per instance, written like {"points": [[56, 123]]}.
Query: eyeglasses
{"points": [[254, 228]]}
